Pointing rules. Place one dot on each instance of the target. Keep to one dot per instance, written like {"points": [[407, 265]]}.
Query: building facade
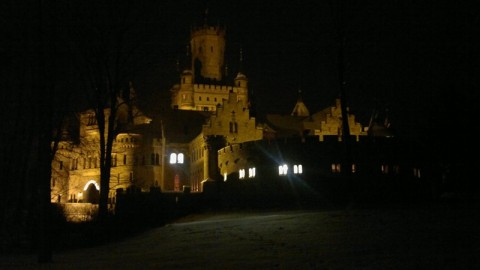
{"points": [[136, 158], [207, 135]]}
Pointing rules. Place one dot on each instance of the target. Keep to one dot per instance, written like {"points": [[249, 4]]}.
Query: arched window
{"points": [[157, 159], [180, 158], [173, 158]]}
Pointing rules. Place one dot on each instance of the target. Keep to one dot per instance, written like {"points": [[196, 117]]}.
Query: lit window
{"points": [[354, 168], [251, 172], [336, 168], [385, 169], [282, 169], [173, 158], [180, 158], [241, 173], [297, 169], [416, 172], [225, 177]]}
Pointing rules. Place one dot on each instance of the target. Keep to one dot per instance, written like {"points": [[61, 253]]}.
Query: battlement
{"points": [[212, 87], [207, 30]]}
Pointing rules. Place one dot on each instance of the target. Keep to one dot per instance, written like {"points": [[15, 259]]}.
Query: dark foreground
{"points": [[416, 236]]}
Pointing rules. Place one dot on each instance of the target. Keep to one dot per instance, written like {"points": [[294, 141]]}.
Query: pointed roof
{"points": [[300, 108]]}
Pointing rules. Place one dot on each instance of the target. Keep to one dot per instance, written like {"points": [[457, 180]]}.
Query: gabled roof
{"points": [[285, 125]]}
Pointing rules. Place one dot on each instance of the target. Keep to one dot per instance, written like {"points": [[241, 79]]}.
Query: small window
{"points": [[173, 158], [241, 173], [385, 169], [297, 169], [282, 169], [251, 172], [180, 158], [336, 168]]}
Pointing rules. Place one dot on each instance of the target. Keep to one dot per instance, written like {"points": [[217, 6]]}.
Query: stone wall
{"points": [[79, 212]]}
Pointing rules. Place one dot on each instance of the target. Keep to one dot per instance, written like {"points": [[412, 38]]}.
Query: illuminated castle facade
{"points": [[208, 133], [135, 156]]}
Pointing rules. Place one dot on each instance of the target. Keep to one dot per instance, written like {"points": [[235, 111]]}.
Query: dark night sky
{"points": [[419, 60]]}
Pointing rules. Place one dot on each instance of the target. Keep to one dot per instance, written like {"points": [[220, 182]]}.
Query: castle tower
{"points": [[207, 45], [203, 84]]}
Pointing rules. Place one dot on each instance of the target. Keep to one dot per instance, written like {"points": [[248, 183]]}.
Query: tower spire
{"points": [[205, 17], [240, 65], [300, 108]]}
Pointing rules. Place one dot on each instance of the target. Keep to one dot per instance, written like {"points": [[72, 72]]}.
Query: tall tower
{"points": [[203, 84], [207, 45]]}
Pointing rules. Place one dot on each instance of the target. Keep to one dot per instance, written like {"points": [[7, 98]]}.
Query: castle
{"points": [[205, 134]]}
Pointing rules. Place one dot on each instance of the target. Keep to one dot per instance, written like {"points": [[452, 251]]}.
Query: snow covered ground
{"points": [[440, 236]]}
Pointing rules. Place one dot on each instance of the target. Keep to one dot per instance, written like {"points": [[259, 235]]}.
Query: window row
{"points": [[197, 154], [384, 169], [283, 169], [176, 158], [86, 163], [132, 140]]}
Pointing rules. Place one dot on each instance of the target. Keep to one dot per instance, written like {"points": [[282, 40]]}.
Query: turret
{"points": [[241, 81]]}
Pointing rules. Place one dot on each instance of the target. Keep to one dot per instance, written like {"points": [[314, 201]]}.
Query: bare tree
{"points": [[106, 42]]}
